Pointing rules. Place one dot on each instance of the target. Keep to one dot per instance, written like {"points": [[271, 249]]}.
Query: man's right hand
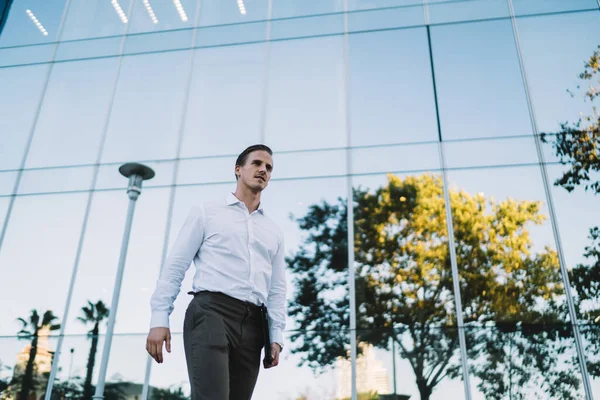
{"points": [[155, 340]]}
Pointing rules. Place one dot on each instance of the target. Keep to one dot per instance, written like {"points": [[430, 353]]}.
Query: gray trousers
{"points": [[223, 341]]}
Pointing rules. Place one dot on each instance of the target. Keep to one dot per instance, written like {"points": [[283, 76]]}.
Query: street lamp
{"points": [[137, 173]]}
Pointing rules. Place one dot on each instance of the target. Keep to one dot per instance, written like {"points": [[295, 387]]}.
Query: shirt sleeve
{"points": [[276, 301], [182, 254]]}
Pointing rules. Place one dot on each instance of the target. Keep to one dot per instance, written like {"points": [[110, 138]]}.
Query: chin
{"points": [[257, 187]]}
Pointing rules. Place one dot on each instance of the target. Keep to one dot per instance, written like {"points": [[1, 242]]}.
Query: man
{"points": [[238, 254]]}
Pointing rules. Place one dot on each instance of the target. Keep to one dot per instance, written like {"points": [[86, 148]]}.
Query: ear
{"points": [[237, 170]]}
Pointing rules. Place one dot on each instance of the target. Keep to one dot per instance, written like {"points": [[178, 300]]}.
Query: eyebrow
{"points": [[260, 161]]}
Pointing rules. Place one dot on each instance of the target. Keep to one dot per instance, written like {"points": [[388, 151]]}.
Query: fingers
{"points": [[154, 343], [275, 353], [159, 353]]}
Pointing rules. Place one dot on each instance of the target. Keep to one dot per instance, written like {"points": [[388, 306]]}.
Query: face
{"points": [[256, 172]]}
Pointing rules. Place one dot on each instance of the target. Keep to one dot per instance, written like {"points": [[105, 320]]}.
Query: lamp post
{"points": [[137, 173]]}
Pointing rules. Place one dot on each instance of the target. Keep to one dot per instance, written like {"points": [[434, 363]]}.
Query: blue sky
{"points": [[391, 106]]}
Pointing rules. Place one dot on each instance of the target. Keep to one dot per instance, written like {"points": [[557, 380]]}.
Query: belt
{"points": [[227, 298]]}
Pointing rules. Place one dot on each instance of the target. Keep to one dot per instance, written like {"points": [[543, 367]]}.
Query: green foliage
{"points": [[404, 287], [578, 144], [171, 393]]}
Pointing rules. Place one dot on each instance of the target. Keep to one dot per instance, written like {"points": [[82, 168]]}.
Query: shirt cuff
{"points": [[159, 319], [277, 336]]}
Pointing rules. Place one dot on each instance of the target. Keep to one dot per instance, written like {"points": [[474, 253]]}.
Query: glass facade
{"points": [[435, 248]]}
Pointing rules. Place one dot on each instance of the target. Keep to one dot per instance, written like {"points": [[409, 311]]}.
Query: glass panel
{"points": [[386, 18], [126, 366], [4, 202], [574, 211], [307, 26], [96, 19], [223, 35], [218, 12], [382, 4], [7, 182], [100, 256], [19, 99], [400, 158], [105, 20], [53, 180], [398, 106], [520, 343], [207, 170], [525, 362], [574, 36], [125, 373], [71, 378], [464, 64], [456, 11], [490, 152], [15, 356], [32, 21], [161, 25], [225, 107], [146, 114], [404, 288], [26, 56], [39, 247], [156, 16], [291, 8], [309, 164], [298, 118], [92, 48], [524, 7], [73, 117], [575, 200], [291, 381]]}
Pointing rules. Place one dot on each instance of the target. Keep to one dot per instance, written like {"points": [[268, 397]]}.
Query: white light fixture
{"points": [[150, 11], [242, 7], [119, 11], [180, 10], [37, 23]]}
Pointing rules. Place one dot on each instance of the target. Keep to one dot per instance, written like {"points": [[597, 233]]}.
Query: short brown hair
{"points": [[243, 157]]}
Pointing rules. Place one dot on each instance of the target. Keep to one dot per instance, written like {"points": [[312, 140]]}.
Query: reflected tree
{"points": [[404, 285], [578, 147], [3, 381], [32, 329], [171, 393], [578, 144], [94, 315]]}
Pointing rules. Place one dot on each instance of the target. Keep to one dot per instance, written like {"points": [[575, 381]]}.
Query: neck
{"points": [[249, 197]]}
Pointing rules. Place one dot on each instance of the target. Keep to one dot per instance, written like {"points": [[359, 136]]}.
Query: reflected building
{"points": [[43, 357], [371, 375]]}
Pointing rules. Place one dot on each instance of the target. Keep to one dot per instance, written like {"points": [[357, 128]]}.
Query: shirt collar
{"points": [[231, 200]]}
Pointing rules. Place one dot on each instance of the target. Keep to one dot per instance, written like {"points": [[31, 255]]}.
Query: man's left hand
{"points": [[275, 350]]}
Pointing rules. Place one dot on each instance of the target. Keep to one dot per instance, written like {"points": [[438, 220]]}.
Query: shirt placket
{"points": [[251, 255]]}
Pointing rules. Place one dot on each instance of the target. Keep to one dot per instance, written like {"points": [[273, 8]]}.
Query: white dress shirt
{"points": [[235, 252]]}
